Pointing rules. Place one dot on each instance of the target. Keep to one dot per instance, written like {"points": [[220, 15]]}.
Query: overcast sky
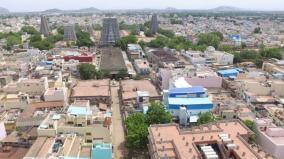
{"points": [[39, 5]]}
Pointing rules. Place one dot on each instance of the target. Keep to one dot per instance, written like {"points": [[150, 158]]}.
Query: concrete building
{"points": [[80, 119], [228, 139], [130, 89], [221, 58], [98, 91], [56, 94], [186, 103], [32, 87], [15, 101], [162, 58], [35, 113], [135, 51], [65, 146], [207, 79], [110, 32], [142, 66], [270, 137]]}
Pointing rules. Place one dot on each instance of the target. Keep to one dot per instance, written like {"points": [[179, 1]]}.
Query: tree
{"points": [[157, 114], [30, 30], [251, 125], [142, 44], [83, 38], [124, 41], [35, 38], [209, 39], [219, 34], [204, 118], [257, 30], [137, 131], [225, 48], [60, 30], [271, 53], [243, 45], [122, 73], [167, 33], [87, 71]]}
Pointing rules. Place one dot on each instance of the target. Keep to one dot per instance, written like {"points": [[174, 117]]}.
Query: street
{"points": [[118, 135]]}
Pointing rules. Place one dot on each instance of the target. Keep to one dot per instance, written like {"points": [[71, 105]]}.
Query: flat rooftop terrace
{"points": [[169, 140]]}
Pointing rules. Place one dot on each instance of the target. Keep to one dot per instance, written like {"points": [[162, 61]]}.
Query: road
{"points": [[118, 135]]}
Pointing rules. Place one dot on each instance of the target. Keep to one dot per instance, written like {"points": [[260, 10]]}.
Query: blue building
{"points": [[102, 151], [228, 73], [196, 91], [186, 103]]}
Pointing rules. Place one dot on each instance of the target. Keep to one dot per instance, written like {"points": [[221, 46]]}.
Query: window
{"points": [[88, 133]]}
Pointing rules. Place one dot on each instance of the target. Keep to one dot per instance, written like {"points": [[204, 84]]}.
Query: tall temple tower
{"points": [[154, 24], [44, 28], [110, 32], [69, 33]]}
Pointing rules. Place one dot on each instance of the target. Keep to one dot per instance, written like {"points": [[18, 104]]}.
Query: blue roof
{"points": [[230, 71], [189, 101], [190, 90], [77, 110]]}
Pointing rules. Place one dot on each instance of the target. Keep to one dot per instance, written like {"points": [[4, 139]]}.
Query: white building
{"points": [[221, 58], [56, 94]]}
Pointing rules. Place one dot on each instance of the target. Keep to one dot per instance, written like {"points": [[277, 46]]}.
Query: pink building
{"points": [[270, 137], [205, 79]]}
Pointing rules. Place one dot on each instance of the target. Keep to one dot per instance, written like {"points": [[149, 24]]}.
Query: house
{"points": [[142, 66], [97, 91]]}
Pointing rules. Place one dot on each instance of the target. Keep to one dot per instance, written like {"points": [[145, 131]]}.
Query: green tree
{"points": [[124, 41], [271, 53], [225, 48], [30, 30], [157, 114], [219, 34], [243, 45], [137, 131], [251, 125], [87, 71], [167, 33], [204, 118], [209, 39], [60, 30], [122, 73], [98, 27], [83, 38], [257, 30], [35, 38], [142, 44]]}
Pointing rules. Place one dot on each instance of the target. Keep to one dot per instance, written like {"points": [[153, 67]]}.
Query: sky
{"points": [[40, 5]]}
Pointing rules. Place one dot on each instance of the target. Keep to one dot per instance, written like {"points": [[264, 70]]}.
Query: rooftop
{"points": [[112, 59], [94, 87], [188, 90], [130, 88], [169, 140]]}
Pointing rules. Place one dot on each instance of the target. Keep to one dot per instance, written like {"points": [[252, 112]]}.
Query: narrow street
{"points": [[118, 135]]}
